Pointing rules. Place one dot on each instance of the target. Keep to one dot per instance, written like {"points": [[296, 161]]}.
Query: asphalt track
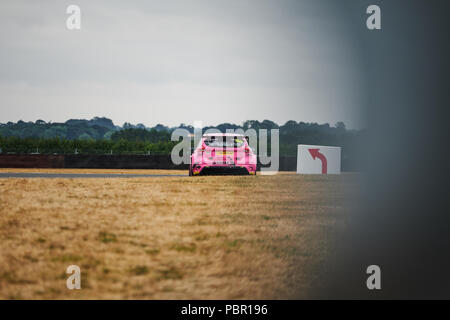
{"points": [[83, 175]]}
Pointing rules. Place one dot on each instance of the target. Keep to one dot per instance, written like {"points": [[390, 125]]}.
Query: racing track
{"points": [[83, 175]]}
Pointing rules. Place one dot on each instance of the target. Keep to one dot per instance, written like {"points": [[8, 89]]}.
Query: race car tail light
{"points": [[247, 150]]}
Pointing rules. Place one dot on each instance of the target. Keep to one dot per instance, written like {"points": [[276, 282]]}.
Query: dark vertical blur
{"points": [[403, 223]]}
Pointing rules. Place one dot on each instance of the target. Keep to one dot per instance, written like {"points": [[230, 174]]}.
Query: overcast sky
{"points": [[177, 61]]}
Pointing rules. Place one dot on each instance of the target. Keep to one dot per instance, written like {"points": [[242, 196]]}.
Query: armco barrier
{"points": [[107, 161], [31, 161], [121, 162]]}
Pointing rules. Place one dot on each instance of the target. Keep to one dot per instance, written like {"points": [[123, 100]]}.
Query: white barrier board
{"points": [[318, 159]]}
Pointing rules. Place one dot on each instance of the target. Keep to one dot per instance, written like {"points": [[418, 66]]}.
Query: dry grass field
{"points": [[233, 237]]}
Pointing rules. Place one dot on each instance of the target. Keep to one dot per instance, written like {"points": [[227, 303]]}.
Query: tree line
{"points": [[101, 136]]}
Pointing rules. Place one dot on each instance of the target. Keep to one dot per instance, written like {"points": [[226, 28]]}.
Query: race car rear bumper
{"points": [[224, 170]]}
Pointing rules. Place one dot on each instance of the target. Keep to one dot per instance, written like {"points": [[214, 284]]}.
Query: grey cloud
{"points": [[156, 61]]}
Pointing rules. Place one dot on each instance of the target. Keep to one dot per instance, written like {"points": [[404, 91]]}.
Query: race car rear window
{"points": [[224, 142]]}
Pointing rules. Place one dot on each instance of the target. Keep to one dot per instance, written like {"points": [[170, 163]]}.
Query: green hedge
{"points": [[64, 146]]}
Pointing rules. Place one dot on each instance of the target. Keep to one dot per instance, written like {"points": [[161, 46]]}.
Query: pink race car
{"points": [[222, 153]]}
